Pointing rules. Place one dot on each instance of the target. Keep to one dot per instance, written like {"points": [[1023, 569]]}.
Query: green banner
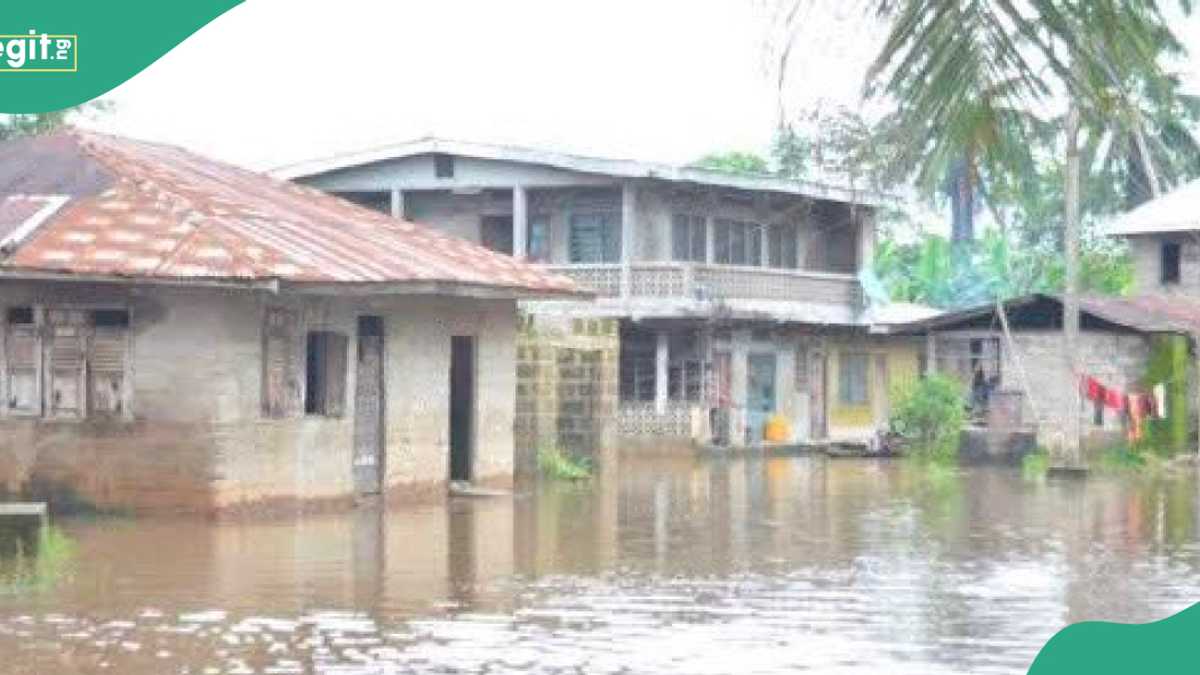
{"points": [[56, 54]]}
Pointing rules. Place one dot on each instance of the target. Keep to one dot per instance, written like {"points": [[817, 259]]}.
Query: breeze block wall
{"points": [[567, 370]]}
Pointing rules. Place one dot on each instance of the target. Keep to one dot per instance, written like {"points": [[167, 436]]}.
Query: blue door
{"points": [[760, 395]]}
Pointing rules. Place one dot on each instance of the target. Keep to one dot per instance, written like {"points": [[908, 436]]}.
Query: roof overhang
{"points": [[619, 168]]}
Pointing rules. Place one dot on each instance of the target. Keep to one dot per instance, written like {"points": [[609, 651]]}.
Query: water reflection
{"points": [[666, 564]]}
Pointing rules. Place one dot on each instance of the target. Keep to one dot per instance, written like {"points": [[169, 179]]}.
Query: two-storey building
{"points": [[735, 298]]}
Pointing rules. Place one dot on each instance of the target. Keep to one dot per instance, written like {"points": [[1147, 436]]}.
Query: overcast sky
{"points": [[275, 81]]}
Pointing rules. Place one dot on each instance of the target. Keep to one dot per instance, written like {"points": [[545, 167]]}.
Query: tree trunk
{"points": [[1070, 454]]}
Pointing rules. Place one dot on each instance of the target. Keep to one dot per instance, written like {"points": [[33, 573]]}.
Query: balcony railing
{"points": [[716, 282]]}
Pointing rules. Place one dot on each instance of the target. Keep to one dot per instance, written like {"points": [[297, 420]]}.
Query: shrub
{"points": [[558, 465], [930, 415]]}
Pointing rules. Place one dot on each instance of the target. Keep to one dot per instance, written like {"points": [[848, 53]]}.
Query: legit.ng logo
{"points": [[35, 52]]}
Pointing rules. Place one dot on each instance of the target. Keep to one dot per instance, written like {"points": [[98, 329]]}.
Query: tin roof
{"points": [[604, 166], [86, 204], [1176, 211], [1146, 313]]}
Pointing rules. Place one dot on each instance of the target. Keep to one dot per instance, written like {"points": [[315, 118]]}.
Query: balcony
{"points": [[698, 281]]}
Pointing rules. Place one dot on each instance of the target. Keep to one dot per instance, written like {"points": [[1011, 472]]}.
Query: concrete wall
{"points": [[1118, 360], [900, 356], [1147, 264], [196, 439]]}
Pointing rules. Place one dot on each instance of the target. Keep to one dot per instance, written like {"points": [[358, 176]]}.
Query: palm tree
{"points": [[969, 77]]}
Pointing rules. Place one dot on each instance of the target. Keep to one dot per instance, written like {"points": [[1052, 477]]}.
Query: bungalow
{"points": [[179, 334], [1010, 361]]}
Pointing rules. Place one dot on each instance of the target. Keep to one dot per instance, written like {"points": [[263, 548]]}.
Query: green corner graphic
{"points": [[113, 40], [1098, 648]]}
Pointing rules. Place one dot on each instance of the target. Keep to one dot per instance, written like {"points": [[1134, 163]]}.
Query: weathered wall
{"points": [[1147, 264], [893, 362], [197, 439], [566, 392], [1118, 360]]}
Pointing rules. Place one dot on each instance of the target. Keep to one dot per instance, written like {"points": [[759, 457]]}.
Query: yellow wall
{"points": [[861, 421]]}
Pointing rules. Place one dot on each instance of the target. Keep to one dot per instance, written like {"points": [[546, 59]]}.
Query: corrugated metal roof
{"points": [[1176, 211], [1146, 313], [604, 166], [161, 212]]}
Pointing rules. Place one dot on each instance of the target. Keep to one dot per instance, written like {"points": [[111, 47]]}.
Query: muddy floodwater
{"points": [[778, 565]]}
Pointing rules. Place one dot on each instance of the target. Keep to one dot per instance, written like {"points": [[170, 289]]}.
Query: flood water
{"points": [[775, 565]]}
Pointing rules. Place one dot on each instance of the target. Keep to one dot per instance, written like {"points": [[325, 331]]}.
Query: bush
{"points": [[930, 415], [558, 465]]}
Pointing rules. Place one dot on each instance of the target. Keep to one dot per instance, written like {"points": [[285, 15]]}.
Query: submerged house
{"points": [[181, 334], [1016, 381], [726, 299]]}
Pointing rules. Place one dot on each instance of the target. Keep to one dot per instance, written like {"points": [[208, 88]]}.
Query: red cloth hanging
{"points": [[1115, 399], [1092, 389]]}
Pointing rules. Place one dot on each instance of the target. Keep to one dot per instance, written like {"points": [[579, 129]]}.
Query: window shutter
{"points": [[65, 350], [22, 381], [281, 382], [336, 348], [106, 369]]}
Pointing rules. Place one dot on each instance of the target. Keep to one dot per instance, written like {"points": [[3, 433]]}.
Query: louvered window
{"points": [[66, 364], [107, 363], [22, 352], [595, 237], [281, 378]]}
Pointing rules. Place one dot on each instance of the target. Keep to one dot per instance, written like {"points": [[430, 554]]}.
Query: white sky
{"points": [[275, 81]]}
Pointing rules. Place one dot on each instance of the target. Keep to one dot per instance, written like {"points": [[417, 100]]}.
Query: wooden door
{"points": [[462, 407], [369, 407], [816, 378]]}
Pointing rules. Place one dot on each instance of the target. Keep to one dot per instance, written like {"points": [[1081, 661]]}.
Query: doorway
{"points": [[760, 394], [462, 406], [369, 407]]}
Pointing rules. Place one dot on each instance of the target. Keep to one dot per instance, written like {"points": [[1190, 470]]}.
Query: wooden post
{"points": [[931, 367], [520, 222]]}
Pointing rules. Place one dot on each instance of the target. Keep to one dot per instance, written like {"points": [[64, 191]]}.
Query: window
{"points": [[66, 363], [637, 365], [376, 201], [689, 236], [595, 237], [783, 251], [852, 379], [685, 368], [106, 362], [737, 243], [325, 374], [1171, 259], [443, 165], [538, 241], [22, 347]]}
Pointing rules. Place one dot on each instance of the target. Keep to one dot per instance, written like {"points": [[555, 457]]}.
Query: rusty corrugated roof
{"points": [[1145, 313], [160, 212]]}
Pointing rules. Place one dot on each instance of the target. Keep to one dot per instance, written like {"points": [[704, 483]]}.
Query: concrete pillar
{"points": [[520, 220], [397, 203], [710, 227], [738, 372], [628, 222], [661, 360]]}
